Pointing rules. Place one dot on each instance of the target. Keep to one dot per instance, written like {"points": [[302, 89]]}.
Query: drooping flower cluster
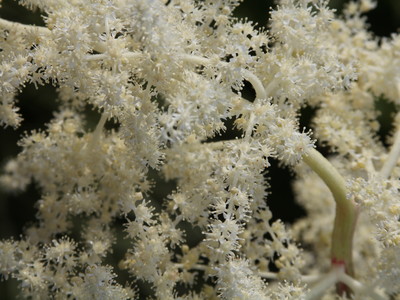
{"points": [[170, 74]]}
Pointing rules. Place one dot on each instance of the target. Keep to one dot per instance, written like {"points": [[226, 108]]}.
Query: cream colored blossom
{"points": [[170, 75]]}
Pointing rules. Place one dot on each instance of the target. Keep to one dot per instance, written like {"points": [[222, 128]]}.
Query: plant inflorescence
{"points": [[170, 74]]}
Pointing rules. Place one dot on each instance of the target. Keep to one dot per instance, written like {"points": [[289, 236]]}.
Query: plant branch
{"points": [[359, 287], [97, 132], [392, 158], [346, 211], [248, 75], [16, 28], [326, 281], [41, 32]]}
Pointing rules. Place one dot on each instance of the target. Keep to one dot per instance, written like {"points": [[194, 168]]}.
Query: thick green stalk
{"points": [[392, 159], [346, 210]]}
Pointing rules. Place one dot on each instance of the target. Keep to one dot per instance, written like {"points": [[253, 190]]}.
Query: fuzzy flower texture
{"points": [[170, 74]]}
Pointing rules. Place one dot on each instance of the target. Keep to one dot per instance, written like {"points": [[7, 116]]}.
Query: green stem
{"points": [[346, 210], [392, 159]]}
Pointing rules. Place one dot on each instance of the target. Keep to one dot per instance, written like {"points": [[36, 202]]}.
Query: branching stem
{"points": [[40, 32], [325, 282], [359, 287], [97, 132], [392, 158], [23, 28], [346, 210], [337, 274], [248, 75]]}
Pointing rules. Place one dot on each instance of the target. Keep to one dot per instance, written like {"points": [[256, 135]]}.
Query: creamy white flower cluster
{"points": [[170, 75]]}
